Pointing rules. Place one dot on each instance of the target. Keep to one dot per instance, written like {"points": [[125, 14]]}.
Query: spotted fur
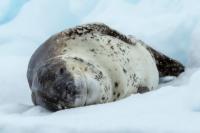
{"points": [[108, 64]]}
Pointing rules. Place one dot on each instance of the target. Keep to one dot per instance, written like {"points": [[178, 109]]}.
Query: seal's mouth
{"points": [[47, 102], [53, 103]]}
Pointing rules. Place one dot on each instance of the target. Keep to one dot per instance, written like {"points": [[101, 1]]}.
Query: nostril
{"points": [[68, 91], [72, 92], [61, 71], [66, 87]]}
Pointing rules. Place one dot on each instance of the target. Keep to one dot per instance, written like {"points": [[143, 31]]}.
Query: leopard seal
{"points": [[94, 64]]}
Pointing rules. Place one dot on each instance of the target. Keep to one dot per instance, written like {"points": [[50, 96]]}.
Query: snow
{"points": [[172, 27]]}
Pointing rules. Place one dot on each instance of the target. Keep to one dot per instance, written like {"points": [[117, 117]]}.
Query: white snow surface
{"points": [[170, 26]]}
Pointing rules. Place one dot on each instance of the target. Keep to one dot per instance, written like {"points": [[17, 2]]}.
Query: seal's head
{"points": [[67, 82], [55, 87]]}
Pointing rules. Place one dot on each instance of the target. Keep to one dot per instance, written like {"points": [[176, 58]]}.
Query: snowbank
{"points": [[172, 27]]}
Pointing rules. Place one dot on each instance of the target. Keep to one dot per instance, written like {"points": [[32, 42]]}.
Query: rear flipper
{"points": [[166, 66]]}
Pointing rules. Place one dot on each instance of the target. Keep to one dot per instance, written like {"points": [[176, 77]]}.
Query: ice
{"points": [[194, 58], [172, 27], [9, 9]]}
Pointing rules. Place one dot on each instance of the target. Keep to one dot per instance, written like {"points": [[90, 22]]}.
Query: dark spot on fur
{"points": [[112, 47], [73, 68], [116, 84], [122, 50], [89, 64], [92, 50], [128, 59], [109, 41], [99, 76], [106, 88], [103, 98], [124, 70], [142, 89], [79, 59], [86, 69], [114, 93], [134, 78], [118, 95]]}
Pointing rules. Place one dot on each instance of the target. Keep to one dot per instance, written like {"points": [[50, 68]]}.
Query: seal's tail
{"points": [[166, 66]]}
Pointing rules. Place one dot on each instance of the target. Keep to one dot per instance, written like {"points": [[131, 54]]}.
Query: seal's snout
{"points": [[66, 90], [57, 88]]}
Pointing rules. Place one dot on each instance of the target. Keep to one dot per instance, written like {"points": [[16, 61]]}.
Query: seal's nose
{"points": [[65, 90]]}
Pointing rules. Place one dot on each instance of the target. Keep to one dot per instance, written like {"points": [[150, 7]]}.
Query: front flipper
{"points": [[166, 66]]}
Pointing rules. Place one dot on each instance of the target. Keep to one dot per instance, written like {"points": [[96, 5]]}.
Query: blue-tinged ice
{"points": [[9, 9]]}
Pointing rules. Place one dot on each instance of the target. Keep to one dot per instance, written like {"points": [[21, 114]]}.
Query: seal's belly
{"points": [[128, 67]]}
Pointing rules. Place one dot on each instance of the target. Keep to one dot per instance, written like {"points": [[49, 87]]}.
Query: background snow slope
{"points": [[170, 26]]}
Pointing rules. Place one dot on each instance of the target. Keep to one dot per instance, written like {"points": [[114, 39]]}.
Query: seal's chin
{"points": [[55, 104], [58, 102]]}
